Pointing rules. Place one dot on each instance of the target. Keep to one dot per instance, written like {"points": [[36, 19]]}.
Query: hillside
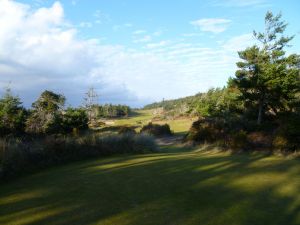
{"points": [[175, 104]]}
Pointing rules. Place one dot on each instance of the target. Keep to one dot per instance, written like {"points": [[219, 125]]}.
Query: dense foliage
{"points": [[112, 111], [12, 114], [157, 129], [267, 78], [260, 105], [46, 115], [21, 155], [74, 120], [181, 106]]}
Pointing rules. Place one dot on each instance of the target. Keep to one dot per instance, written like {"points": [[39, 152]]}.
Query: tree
{"points": [[12, 114], [91, 103], [219, 102], [74, 119], [267, 78], [46, 115]]}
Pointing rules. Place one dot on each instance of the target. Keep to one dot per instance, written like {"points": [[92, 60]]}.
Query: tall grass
{"points": [[19, 156]]}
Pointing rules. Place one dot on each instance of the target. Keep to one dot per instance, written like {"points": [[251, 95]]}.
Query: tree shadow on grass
{"points": [[189, 188]]}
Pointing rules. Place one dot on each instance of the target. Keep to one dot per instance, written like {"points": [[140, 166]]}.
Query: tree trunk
{"points": [[260, 109]]}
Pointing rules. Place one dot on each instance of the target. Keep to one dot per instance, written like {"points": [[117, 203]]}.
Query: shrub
{"points": [[156, 129], [205, 130], [126, 130], [20, 156], [260, 139], [287, 135], [237, 133], [238, 140], [219, 131], [280, 143], [74, 119]]}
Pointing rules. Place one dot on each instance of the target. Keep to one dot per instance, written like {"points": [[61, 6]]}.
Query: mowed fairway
{"points": [[164, 188]]}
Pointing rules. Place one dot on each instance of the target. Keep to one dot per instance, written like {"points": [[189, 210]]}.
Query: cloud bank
{"points": [[40, 49], [215, 25]]}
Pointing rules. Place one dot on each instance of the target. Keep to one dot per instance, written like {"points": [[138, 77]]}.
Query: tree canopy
{"points": [[267, 78]]}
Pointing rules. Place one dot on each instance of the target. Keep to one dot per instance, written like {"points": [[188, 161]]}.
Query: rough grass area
{"points": [[20, 156], [143, 117], [187, 188]]}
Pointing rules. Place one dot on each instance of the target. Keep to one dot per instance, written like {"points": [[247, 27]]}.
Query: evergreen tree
{"points": [[267, 78], [47, 113], [12, 114]]}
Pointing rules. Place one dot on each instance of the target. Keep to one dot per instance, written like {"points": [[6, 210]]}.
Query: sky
{"points": [[131, 52]]}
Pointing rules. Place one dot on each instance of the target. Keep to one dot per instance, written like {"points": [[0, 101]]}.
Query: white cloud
{"points": [[215, 25], [157, 44], [139, 32], [39, 50], [239, 42], [146, 38]]}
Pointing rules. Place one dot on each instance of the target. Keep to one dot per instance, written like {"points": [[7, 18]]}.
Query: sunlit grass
{"points": [[163, 188], [143, 117]]}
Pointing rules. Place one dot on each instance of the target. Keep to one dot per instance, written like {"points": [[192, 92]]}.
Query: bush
{"points": [[74, 119], [126, 130], [206, 130], [156, 129], [238, 140], [20, 156], [237, 133], [287, 135], [218, 131], [260, 139], [280, 143]]}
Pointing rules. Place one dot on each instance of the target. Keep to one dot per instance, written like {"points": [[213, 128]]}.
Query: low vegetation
{"points": [[157, 130], [22, 155]]}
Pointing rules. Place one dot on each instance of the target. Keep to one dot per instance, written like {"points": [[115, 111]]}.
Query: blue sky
{"points": [[131, 51]]}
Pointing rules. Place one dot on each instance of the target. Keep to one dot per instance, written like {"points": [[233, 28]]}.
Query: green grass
{"points": [[140, 117], [177, 186], [189, 188], [178, 126], [143, 117]]}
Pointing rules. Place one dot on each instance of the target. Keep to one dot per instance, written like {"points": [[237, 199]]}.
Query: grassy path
{"points": [[189, 188]]}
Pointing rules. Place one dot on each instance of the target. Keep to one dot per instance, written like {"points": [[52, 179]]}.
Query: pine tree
{"points": [[267, 78]]}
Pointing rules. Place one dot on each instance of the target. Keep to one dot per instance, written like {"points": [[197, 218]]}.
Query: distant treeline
{"points": [[49, 116], [175, 104], [111, 111]]}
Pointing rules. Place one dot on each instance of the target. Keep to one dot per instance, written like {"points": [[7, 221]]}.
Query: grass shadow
{"points": [[178, 188]]}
